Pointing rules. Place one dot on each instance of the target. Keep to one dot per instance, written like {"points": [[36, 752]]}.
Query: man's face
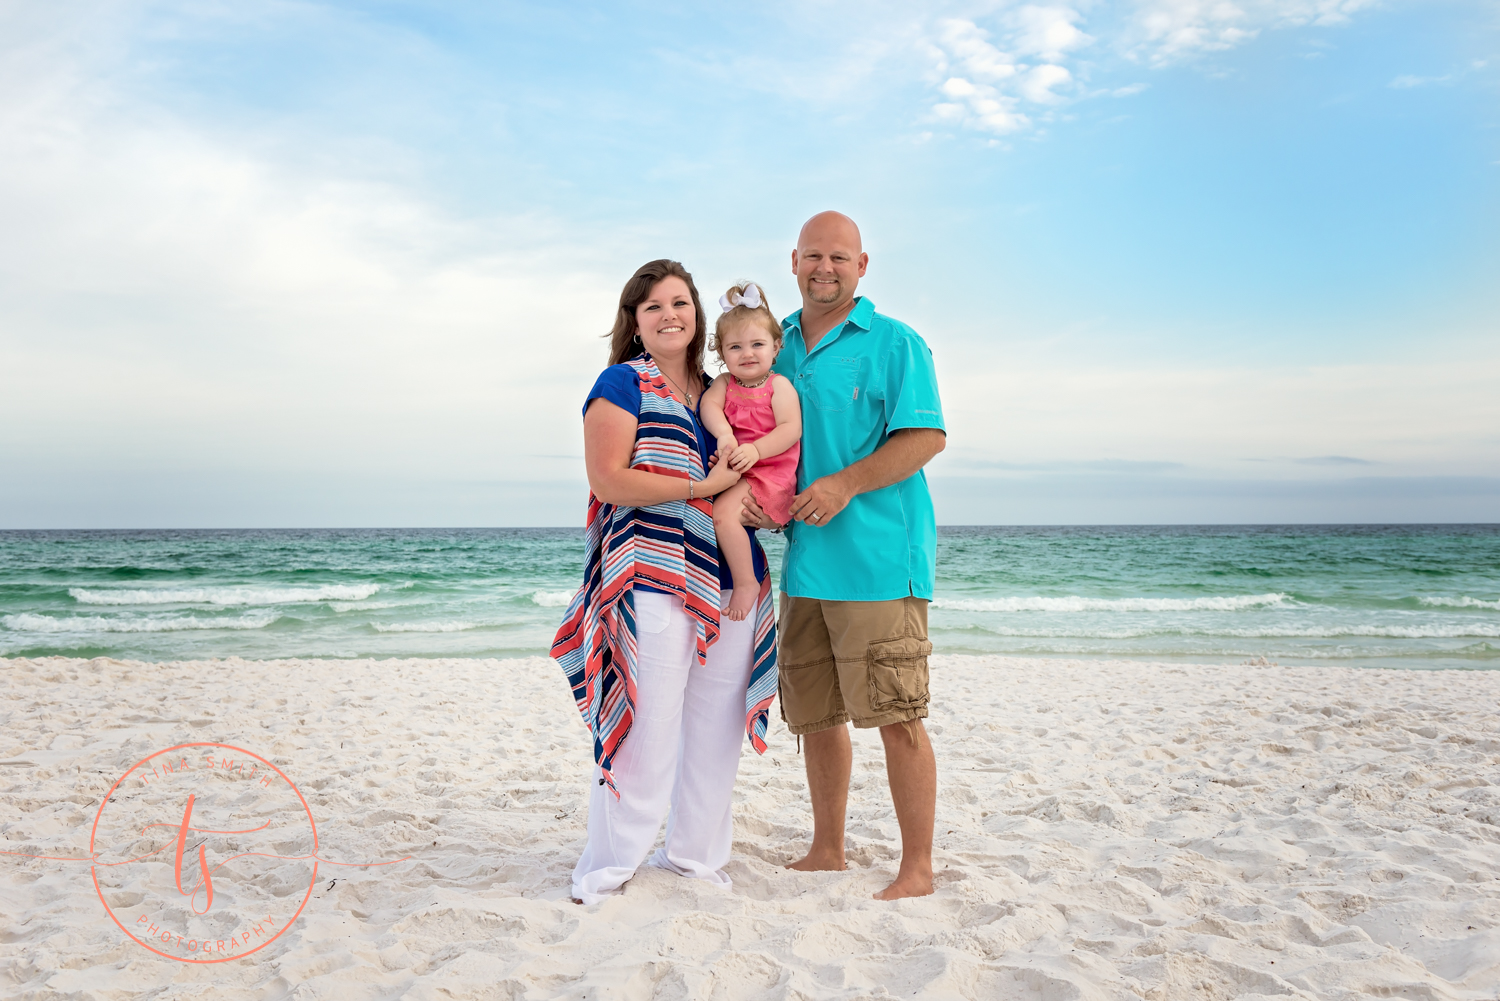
{"points": [[828, 263]]}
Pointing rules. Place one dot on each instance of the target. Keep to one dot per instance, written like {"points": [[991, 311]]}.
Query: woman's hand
{"points": [[719, 479], [742, 458]]}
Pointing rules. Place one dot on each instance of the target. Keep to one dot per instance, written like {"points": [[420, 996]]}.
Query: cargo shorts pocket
{"points": [[898, 674]]}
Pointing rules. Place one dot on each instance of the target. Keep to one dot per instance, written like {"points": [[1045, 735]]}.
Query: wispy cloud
{"points": [[1407, 81], [999, 74], [986, 87], [1334, 460], [1163, 31]]}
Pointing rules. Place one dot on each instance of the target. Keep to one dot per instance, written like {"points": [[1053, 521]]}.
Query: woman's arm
{"points": [[788, 411], [609, 441], [711, 413]]}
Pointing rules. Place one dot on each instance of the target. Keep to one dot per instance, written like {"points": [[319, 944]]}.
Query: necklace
{"points": [[675, 386], [746, 385]]}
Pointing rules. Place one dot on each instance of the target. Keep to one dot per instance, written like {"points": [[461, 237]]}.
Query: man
{"points": [[862, 549]]}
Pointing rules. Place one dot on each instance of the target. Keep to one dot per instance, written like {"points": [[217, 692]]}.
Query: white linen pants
{"points": [[682, 754]]}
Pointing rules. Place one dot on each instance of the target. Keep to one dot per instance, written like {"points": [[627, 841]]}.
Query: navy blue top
{"points": [[621, 386]]}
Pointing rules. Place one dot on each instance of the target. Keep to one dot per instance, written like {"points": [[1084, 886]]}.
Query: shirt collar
{"points": [[861, 316]]}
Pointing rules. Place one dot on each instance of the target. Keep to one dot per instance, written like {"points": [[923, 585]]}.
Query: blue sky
{"points": [[343, 264]]}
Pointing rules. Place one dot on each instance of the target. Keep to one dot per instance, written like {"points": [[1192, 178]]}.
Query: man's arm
{"points": [[904, 452]]}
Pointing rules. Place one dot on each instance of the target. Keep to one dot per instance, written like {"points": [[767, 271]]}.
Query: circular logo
{"points": [[204, 852]]}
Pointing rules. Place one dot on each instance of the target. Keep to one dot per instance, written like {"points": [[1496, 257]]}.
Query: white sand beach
{"points": [[1105, 830]]}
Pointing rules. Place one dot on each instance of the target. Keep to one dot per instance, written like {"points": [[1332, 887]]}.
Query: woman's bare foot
{"points": [[906, 885], [741, 602]]}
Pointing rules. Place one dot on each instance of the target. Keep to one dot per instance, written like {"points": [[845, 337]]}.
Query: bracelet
{"points": [[690, 489]]}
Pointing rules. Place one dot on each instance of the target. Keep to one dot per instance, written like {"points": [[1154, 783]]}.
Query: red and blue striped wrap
{"points": [[669, 546]]}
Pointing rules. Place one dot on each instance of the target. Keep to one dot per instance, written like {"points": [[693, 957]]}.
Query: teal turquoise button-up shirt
{"points": [[869, 377]]}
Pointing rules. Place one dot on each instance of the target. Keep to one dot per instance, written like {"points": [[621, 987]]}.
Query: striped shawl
{"points": [[669, 546]]}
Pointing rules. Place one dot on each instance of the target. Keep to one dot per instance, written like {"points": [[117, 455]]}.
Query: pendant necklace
{"points": [[677, 387]]}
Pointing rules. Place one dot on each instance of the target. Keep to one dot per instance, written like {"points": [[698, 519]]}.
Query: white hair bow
{"points": [[749, 297]]}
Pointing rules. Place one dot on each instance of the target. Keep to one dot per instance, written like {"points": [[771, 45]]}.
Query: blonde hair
{"points": [[733, 319]]}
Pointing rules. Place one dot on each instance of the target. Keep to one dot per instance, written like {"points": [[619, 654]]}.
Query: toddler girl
{"points": [[757, 419]]}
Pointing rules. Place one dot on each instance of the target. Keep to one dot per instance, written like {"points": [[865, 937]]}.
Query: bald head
{"points": [[830, 228], [829, 262]]}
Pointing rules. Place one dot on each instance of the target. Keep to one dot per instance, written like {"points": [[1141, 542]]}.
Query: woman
{"points": [[665, 687]]}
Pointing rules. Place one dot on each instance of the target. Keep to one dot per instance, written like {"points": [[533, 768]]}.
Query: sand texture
{"points": [[1105, 830]]}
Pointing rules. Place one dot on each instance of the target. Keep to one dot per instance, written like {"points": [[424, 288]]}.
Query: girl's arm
{"points": [[609, 441], [711, 412], [788, 411]]}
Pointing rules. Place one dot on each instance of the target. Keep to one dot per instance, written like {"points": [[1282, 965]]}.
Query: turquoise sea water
{"points": [[1393, 596]]}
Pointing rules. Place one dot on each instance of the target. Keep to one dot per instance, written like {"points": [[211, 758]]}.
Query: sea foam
{"points": [[1464, 602], [30, 622], [425, 627], [552, 599], [1267, 633], [1074, 603], [223, 595]]}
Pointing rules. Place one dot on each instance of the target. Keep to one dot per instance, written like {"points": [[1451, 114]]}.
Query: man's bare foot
{"points": [[906, 885], [742, 602], [818, 862]]}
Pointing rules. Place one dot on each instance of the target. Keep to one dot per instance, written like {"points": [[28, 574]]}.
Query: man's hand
{"points": [[753, 516], [819, 503], [743, 458]]}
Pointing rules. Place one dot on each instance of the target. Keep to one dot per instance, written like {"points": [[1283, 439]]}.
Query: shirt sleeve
{"points": [[619, 385], [911, 390]]}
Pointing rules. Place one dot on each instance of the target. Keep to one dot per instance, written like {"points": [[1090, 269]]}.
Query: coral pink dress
{"points": [[773, 480]]}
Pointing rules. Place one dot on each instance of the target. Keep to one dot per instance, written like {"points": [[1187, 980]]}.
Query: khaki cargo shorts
{"points": [[860, 661]]}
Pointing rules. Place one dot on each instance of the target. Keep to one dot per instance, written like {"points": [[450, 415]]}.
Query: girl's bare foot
{"points": [[741, 602]]}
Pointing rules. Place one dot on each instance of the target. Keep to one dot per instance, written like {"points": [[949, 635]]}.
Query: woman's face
{"points": [[666, 319]]}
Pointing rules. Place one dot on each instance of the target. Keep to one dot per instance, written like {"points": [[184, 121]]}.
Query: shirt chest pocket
{"points": [[835, 383]]}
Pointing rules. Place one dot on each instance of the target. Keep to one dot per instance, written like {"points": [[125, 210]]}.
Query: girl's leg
{"points": [[621, 831], [734, 543], [700, 830]]}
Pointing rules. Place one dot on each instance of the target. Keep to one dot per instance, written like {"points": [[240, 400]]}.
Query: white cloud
{"points": [[1162, 31], [1047, 32], [200, 304], [1039, 82], [1419, 418], [968, 46], [1407, 81], [1031, 55]]}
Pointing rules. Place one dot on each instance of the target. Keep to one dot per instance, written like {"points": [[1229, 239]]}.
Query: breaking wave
{"points": [[1074, 603], [1464, 602], [30, 622], [425, 627], [223, 595]]}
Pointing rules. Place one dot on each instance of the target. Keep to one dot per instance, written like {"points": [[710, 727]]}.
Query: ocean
{"points": [[1402, 596]]}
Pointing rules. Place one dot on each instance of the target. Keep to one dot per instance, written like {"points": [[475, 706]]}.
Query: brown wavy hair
{"points": [[623, 345]]}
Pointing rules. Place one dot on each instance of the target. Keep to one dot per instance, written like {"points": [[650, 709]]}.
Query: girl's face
{"points": [[666, 320], [748, 349]]}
